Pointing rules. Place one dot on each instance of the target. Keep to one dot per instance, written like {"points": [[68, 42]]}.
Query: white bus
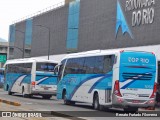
{"points": [[30, 77], [123, 79]]}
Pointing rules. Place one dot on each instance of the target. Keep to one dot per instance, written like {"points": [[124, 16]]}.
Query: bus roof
{"points": [[91, 53], [99, 53], [29, 60]]}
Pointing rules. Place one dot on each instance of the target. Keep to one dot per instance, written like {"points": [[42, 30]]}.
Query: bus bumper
{"points": [[139, 103], [37, 92]]}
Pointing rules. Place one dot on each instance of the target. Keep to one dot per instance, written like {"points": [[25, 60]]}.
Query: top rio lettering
{"points": [[136, 60]]}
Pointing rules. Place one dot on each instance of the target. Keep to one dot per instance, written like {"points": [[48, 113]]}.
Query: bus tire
{"points": [[23, 94], [9, 91], [47, 96], [96, 104], [72, 102], [66, 102], [29, 95], [131, 109]]}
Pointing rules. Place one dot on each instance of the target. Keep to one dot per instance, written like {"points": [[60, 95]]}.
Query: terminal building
{"points": [[3, 51], [83, 25]]}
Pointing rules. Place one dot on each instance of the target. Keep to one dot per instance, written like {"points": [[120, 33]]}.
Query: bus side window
{"points": [[79, 65], [27, 68], [108, 63], [98, 69], [89, 65]]}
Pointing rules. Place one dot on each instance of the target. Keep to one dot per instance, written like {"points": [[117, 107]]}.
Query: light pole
{"points": [[48, 38], [23, 41]]}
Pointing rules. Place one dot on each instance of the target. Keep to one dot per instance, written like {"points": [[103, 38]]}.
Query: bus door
{"points": [[72, 77]]}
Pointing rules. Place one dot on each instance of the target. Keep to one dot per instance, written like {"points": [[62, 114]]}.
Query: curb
{"points": [[10, 102], [58, 114]]}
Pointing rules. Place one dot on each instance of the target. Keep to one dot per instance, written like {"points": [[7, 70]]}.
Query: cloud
{"points": [[11, 10]]}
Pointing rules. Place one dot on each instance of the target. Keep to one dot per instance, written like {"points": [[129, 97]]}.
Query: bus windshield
{"points": [[46, 67]]}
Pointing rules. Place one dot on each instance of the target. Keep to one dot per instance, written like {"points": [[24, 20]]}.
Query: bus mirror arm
{"points": [[55, 73], [56, 69]]}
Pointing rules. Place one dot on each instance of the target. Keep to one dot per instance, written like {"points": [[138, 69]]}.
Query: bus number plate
{"points": [[45, 88], [135, 101], [130, 95]]}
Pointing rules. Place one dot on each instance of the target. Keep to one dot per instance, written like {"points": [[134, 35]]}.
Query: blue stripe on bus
{"points": [[10, 88], [49, 78], [85, 80], [96, 83], [25, 79], [124, 87]]}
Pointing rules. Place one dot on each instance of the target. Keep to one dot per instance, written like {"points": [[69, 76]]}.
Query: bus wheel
{"points": [[23, 94], [72, 102], [96, 105], [9, 92], [66, 102], [47, 96], [131, 109]]}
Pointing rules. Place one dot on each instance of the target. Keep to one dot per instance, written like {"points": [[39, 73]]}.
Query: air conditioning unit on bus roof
{"points": [[86, 52]]}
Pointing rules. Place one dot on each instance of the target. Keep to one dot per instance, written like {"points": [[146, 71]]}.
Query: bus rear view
{"points": [[135, 85]]}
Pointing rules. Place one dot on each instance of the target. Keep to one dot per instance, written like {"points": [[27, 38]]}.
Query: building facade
{"points": [[3, 52], [83, 25]]}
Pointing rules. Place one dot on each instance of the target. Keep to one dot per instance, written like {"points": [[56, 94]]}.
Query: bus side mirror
{"points": [[56, 69]]}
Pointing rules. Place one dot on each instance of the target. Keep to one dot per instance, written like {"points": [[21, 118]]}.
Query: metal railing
{"points": [[48, 9]]}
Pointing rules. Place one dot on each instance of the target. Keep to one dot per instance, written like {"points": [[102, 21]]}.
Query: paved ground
{"points": [[5, 107], [38, 104]]}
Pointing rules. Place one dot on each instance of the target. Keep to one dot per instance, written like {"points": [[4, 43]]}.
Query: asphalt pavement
{"points": [[36, 103]]}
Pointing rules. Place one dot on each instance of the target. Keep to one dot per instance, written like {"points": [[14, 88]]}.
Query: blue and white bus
{"points": [[123, 79], [31, 77], [1, 76]]}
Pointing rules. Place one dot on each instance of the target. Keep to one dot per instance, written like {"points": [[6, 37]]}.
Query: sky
{"points": [[12, 10]]}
